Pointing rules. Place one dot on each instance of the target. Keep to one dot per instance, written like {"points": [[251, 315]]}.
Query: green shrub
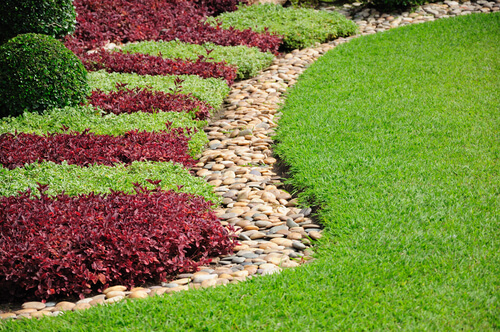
{"points": [[74, 180], [86, 117], [38, 72], [249, 60], [55, 18], [211, 90], [300, 28]]}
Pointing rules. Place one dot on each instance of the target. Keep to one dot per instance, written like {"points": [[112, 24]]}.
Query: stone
{"points": [[138, 295], [209, 283], [33, 305], [114, 299], [25, 311], [315, 235], [40, 314], [203, 277], [112, 294], [65, 306], [115, 288], [7, 315]]}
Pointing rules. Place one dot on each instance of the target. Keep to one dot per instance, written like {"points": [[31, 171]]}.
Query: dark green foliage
{"points": [[56, 18], [38, 72]]}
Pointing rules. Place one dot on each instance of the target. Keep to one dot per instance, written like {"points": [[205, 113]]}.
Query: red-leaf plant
{"points": [[88, 148], [126, 100], [65, 246], [144, 64], [121, 21]]}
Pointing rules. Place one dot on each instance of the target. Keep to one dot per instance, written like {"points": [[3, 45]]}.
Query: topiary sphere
{"points": [[56, 18], [38, 72]]}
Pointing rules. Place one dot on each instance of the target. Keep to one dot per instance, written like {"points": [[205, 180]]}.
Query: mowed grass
{"points": [[395, 137]]}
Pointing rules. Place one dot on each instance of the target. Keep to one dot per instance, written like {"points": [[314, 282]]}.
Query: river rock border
{"points": [[274, 233]]}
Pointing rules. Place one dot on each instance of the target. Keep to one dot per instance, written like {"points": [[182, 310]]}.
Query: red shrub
{"points": [[146, 100], [144, 64], [88, 148], [121, 21], [60, 246]]}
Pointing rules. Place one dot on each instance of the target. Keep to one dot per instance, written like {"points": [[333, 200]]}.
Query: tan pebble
{"points": [[315, 235], [251, 228], [7, 315], [138, 295], [200, 273], [289, 264], [241, 247], [33, 305], [226, 276], [257, 235], [294, 236], [243, 223], [182, 281], [218, 167], [82, 306], [86, 300], [267, 245], [267, 266], [65, 306], [252, 269], [25, 311], [203, 172], [112, 294], [239, 274], [270, 161], [119, 288], [222, 281], [114, 299], [215, 183], [96, 302], [209, 283], [228, 181]]}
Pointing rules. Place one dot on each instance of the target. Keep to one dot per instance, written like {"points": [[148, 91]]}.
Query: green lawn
{"points": [[395, 137]]}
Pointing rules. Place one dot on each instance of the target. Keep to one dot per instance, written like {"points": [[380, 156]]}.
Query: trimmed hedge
{"points": [[56, 18], [38, 72], [248, 60], [300, 28], [85, 117], [67, 246]]}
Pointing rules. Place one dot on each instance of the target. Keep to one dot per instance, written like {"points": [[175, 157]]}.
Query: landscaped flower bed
{"points": [[144, 64], [147, 100], [88, 148], [122, 21], [75, 245]]}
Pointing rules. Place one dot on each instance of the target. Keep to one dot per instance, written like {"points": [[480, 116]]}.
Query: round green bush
{"points": [[38, 72], [56, 18]]}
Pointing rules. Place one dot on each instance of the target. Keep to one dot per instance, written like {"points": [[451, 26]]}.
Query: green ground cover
{"points": [[211, 90], [399, 149], [74, 180], [300, 27], [248, 60], [86, 117]]}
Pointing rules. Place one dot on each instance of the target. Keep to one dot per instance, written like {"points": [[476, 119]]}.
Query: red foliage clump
{"points": [[65, 246], [121, 21], [88, 148], [144, 64], [146, 100]]}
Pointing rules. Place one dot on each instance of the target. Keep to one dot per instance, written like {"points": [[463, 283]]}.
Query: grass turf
{"points": [[248, 60], [399, 147], [300, 27]]}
